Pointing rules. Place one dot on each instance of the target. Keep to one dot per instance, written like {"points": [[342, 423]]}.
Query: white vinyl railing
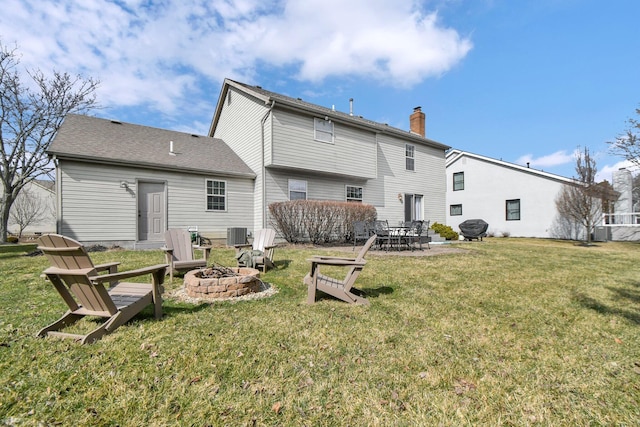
{"points": [[615, 219]]}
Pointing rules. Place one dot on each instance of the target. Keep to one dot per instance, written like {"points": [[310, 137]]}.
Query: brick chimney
{"points": [[417, 121]]}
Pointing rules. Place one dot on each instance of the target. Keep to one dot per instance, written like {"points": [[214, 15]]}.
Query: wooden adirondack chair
{"points": [[341, 289], [81, 287], [178, 251], [263, 242]]}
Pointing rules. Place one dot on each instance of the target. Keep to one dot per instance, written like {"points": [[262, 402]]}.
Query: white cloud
{"points": [[558, 158], [606, 172], [160, 53]]}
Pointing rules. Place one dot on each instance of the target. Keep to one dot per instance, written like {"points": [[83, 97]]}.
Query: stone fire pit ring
{"points": [[237, 281]]}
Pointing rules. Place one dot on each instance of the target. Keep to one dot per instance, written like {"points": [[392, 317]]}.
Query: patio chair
{"points": [[258, 254], [381, 229], [178, 252], [418, 232], [361, 232], [341, 289], [82, 288]]}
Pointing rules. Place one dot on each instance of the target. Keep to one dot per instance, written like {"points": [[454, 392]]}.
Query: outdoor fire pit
{"points": [[221, 282]]}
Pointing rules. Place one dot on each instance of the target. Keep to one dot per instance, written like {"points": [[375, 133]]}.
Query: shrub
{"points": [[12, 239], [445, 231], [316, 220]]}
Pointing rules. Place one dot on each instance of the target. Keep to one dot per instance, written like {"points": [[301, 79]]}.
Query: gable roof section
{"points": [[106, 141], [454, 155], [297, 104], [45, 184]]}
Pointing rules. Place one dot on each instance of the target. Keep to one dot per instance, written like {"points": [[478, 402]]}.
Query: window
{"points": [[323, 130], [458, 181], [513, 210], [409, 152], [354, 194], [297, 189], [216, 195], [455, 210]]}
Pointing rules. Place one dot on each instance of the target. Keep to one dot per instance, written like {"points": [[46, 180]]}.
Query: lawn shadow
{"points": [[376, 292], [282, 264], [364, 293], [624, 295], [17, 251], [171, 310]]}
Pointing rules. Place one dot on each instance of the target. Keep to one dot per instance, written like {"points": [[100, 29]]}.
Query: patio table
{"points": [[398, 236]]}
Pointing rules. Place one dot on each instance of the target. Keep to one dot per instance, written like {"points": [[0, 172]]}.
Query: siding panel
{"points": [[240, 127], [353, 152], [95, 207], [487, 187]]}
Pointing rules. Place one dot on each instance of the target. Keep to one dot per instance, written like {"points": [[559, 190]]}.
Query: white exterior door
{"points": [[151, 211]]}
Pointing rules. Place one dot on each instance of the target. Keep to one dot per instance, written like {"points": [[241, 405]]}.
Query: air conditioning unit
{"points": [[236, 236], [602, 234]]}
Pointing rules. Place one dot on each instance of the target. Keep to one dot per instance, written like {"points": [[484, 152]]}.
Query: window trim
{"points": [[410, 157], [317, 120], [213, 195], [455, 174], [353, 199], [519, 211], [413, 207], [306, 188], [451, 207]]}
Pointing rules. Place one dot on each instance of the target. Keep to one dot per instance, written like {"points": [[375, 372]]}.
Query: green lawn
{"points": [[510, 332]]}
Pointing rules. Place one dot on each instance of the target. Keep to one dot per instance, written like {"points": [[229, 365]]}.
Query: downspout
{"points": [[263, 167], [58, 196]]}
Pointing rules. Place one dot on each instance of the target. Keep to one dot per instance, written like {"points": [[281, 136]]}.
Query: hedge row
{"points": [[318, 221]]}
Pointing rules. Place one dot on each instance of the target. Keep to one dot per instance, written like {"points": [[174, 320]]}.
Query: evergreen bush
{"points": [[445, 231]]}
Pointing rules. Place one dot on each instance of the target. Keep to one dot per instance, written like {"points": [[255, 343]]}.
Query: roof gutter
{"points": [[65, 156]]}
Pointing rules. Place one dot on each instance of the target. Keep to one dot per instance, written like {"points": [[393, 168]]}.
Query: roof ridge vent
{"points": [[116, 122]]}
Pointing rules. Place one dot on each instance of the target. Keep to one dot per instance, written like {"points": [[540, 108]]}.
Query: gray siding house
{"points": [[125, 184], [302, 150]]}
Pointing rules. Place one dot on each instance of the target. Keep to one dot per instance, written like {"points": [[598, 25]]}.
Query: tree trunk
{"points": [[4, 217]]}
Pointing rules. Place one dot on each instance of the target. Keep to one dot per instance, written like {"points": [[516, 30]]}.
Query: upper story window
{"points": [[216, 195], [458, 181], [409, 153], [354, 194], [513, 210], [297, 189], [323, 130]]}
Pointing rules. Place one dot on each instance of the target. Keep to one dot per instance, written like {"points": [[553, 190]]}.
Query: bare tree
{"points": [[28, 209], [581, 202], [627, 145], [29, 120]]}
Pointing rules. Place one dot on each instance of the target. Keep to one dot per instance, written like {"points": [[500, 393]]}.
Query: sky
{"points": [[516, 80]]}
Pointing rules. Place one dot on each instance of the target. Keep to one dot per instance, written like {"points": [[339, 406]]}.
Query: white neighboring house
{"points": [[514, 200], [37, 200]]}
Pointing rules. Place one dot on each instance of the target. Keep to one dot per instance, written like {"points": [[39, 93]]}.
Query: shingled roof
{"points": [[298, 104], [107, 141]]}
